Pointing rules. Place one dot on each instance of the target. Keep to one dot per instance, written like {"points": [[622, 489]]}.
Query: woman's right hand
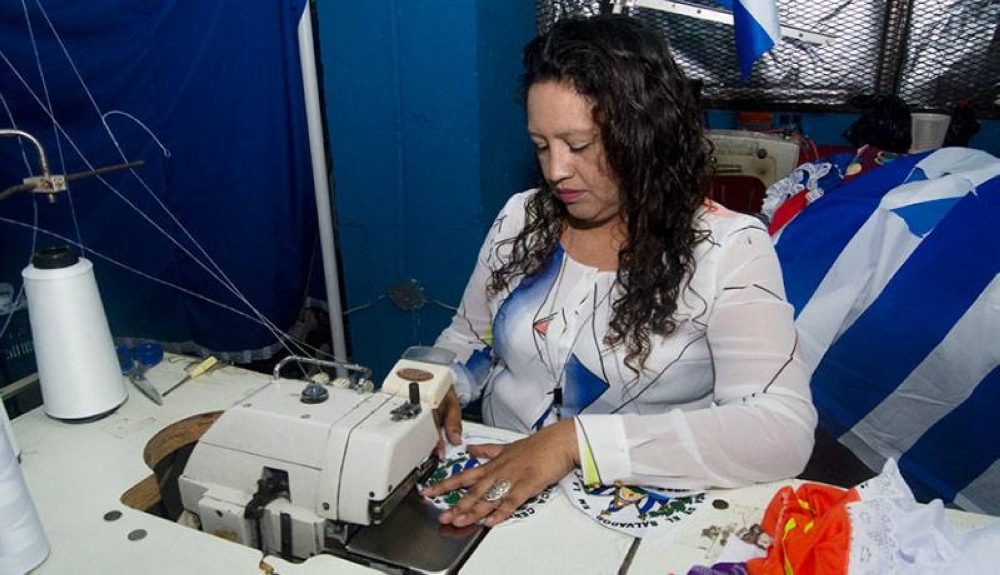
{"points": [[526, 466], [448, 417]]}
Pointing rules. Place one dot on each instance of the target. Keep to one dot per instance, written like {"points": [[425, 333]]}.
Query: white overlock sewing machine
{"points": [[746, 163], [766, 157], [297, 472]]}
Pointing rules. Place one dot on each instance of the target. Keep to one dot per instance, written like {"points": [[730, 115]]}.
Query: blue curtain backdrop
{"points": [[218, 84]]}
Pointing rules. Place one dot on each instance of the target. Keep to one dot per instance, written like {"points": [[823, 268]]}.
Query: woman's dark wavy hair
{"points": [[650, 128]]}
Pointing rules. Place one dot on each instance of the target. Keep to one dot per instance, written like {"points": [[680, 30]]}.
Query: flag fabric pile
{"points": [[894, 278]]}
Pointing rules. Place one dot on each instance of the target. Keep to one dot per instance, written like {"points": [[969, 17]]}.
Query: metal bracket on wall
{"points": [[407, 295], [712, 15]]}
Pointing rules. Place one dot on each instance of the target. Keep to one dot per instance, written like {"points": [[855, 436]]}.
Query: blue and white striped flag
{"points": [[757, 29], [895, 279]]}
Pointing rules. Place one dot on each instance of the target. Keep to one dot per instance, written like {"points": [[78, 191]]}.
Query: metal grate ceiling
{"points": [[953, 53], [932, 53]]}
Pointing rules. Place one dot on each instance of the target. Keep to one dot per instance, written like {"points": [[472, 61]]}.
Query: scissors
{"points": [[134, 363]]}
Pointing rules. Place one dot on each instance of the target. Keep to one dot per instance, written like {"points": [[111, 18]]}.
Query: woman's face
{"points": [[571, 154]]}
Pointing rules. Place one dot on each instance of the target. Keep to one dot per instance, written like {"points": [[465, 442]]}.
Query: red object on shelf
{"points": [[754, 121]]}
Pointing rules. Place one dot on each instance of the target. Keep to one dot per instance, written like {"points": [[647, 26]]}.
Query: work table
{"points": [[77, 474]]}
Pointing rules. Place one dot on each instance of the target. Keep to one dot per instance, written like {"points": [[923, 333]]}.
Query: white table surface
{"points": [[76, 473]]}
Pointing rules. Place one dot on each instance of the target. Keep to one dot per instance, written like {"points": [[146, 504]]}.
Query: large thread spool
{"points": [[9, 430], [77, 365], [23, 545]]}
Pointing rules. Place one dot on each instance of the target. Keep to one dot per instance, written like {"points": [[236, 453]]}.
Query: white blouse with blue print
{"points": [[721, 402]]}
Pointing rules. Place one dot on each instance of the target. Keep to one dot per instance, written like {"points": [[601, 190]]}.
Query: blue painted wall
{"points": [[427, 139]]}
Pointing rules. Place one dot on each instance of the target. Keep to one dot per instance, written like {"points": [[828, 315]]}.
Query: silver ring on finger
{"points": [[498, 491]]}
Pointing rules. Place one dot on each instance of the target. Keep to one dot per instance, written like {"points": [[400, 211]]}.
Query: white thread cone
{"points": [[5, 423], [23, 545], [77, 365]]}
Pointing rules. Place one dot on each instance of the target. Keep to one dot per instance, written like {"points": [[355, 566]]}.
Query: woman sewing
{"points": [[636, 329]]}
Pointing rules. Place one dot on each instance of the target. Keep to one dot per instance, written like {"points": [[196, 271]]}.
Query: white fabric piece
{"points": [[804, 177], [723, 401], [893, 534], [956, 160], [888, 484]]}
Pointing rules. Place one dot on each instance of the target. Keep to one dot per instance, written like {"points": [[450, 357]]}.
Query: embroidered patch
{"points": [[637, 511]]}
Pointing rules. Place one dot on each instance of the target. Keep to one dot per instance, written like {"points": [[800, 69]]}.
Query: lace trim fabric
{"points": [[805, 177]]}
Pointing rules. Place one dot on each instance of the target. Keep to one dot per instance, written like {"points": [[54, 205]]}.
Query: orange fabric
{"points": [[810, 531]]}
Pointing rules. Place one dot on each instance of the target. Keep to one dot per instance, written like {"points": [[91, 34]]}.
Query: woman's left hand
{"points": [[530, 465]]}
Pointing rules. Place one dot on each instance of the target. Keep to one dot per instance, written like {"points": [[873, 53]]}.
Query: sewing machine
{"points": [[297, 470], [766, 157], [746, 163]]}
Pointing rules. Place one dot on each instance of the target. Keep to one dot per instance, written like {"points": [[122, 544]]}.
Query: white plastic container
{"points": [[77, 366], [929, 130]]}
